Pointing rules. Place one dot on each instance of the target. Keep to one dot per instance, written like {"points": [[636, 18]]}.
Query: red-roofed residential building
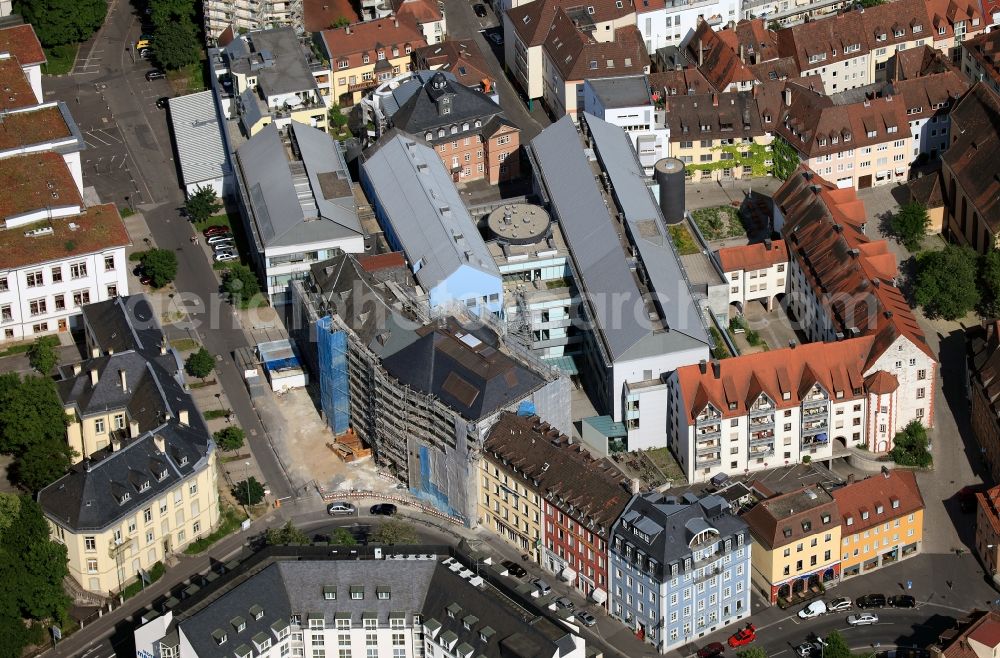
{"points": [[426, 14], [755, 272], [984, 387], [988, 529], [20, 42], [981, 58], [975, 636], [882, 521]]}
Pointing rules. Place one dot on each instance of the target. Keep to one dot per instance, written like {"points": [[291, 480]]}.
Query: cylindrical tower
{"points": [[669, 175]]}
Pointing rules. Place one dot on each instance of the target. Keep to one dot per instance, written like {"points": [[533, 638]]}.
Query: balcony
{"points": [[762, 451], [762, 422], [702, 434], [707, 448], [814, 400], [711, 460], [814, 427], [812, 412], [756, 438], [815, 441]]}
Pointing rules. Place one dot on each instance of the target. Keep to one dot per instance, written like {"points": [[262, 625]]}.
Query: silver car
{"points": [[839, 604], [220, 239], [863, 619], [341, 508]]}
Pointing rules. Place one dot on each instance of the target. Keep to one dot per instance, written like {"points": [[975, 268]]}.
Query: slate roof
{"points": [[426, 212], [731, 115], [564, 473], [464, 368], [420, 113], [198, 138], [897, 487], [787, 518], [298, 202], [672, 523], [122, 324], [975, 151]]}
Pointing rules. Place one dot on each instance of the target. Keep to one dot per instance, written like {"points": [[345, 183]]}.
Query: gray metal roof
{"points": [[198, 137], [671, 524], [647, 229], [623, 91], [427, 214], [300, 202]]}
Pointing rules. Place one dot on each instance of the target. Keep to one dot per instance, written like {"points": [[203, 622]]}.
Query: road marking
{"points": [[93, 146], [108, 135], [94, 136]]}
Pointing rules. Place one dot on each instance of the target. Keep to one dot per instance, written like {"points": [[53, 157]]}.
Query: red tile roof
{"points": [[988, 634], [27, 127], [683, 81], [838, 368], [98, 229], [579, 56], [462, 58], [881, 383], [925, 94], [986, 627], [718, 59], [989, 502], [355, 41], [319, 15], [533, 20], [15, 90], [975, 150], [898, 487], [945, 13], [755, 256], [21, 42], [840, 263], [35, 182], [786, 518], [422, 11], [985, 50], [378, 262], [824, 37]]}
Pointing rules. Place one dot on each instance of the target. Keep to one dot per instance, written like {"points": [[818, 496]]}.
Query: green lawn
{"points": [[719, 222], [184, 344], [215, 220], [61, 59], [189, 79], [230, 521], [667, 464], [15, 349], [683, 240], [212, 414]]}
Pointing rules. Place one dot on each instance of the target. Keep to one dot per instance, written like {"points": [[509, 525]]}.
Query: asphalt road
{"points": [[113, 101]]}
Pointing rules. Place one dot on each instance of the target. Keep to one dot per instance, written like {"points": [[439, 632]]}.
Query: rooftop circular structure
{"points": [[669, 166], [519, 223]]}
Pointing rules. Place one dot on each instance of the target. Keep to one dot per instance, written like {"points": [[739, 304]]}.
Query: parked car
{"points": [[814, 609], [216, 230], [589, 620], [564, 603], [902, 601], [145, 280], [543, 587], [225, 255], [480, 10], [155, 74], [811, 648], [711, 650], [162, 102], [744, 636], [863, 619], [840, 603], [222, 237], [144, 53], [224, 246], [871, 601], [514, 569], [496, 38], [341, 508], [382, 509]]}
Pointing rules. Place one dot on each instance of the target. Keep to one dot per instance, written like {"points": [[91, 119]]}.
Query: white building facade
{"points": [[672, 22]]}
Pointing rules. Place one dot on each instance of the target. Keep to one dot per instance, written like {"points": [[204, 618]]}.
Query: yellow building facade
{"points": [[509, 506]]}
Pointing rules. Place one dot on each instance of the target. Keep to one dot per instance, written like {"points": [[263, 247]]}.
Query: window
{"points": [[34, 279], [37, 307], [921, 374], [99, 426], [78, 270], [147, 515], [920, 393], [91, 565], [6, 314], [109, 263], [81, 298], [90, 543], [503, 139]]}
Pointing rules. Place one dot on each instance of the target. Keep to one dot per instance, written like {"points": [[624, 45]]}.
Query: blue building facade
{"points": [[679, 568], [334, 386]]}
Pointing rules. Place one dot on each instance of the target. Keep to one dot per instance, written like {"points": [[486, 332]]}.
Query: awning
{"points": [[568, 575], [821, 437], [599, 595]]}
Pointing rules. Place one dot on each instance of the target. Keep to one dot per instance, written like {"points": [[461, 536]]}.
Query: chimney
{"points": [[715, 100], [716, 368], [701, 54], [850, 478], [633, 485], [885, 472], [792, 344], [788, 96], [163, 346], [116, 444], [742, 56], [703, 366], [123, 378], [93, 377], [182, 416], [347, 30], [768, 244], [86, 464], [161, 444], [133, 428], [77, 368], [95, 352], [395, 22]]}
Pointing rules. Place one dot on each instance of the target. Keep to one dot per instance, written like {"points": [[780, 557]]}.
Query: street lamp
{"points": [[246, 478]]}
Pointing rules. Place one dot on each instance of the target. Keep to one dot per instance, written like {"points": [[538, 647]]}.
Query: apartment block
{"points": [[883, 521], [363, 55], [679, 567], [395, 605], [248, 15], [631, 341], [970, 177], [628, 103], [755, 272], [981, 59], [930, 87], [546, 495], [666, 23], [797, 541], [146, 485]]}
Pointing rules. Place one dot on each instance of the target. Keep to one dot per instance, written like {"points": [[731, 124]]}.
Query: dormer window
{"points": [[357, 592], [850, 520], [381, 55], [429, 136], [257, 612], [895, 503], [365, 59], [864, 515], [879, 509], [590, 10], [144, 486], [593, 65], [329, 593], [825, 519], [183, 460], [918, 28], [220, 637], [897, 33]]}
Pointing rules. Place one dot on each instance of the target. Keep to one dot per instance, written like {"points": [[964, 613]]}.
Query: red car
{"points": [[215, 230], [744, 636], [711, 650]]}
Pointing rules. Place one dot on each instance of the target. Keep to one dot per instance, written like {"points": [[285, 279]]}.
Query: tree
{"points": [[784, 157], [910, 224], [61, 22], [202, 204], [946, 282], [165, 12], [249, 491], [342, 537], [910, 446], [240, 282], [174, 44], [43, 356], [871, 3], [229, 438], [199, 364], [160, 265], [836, 647], [33, 430], [32, 568], [989, 284], [752, 652], [286, 534], [395, 532]]}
